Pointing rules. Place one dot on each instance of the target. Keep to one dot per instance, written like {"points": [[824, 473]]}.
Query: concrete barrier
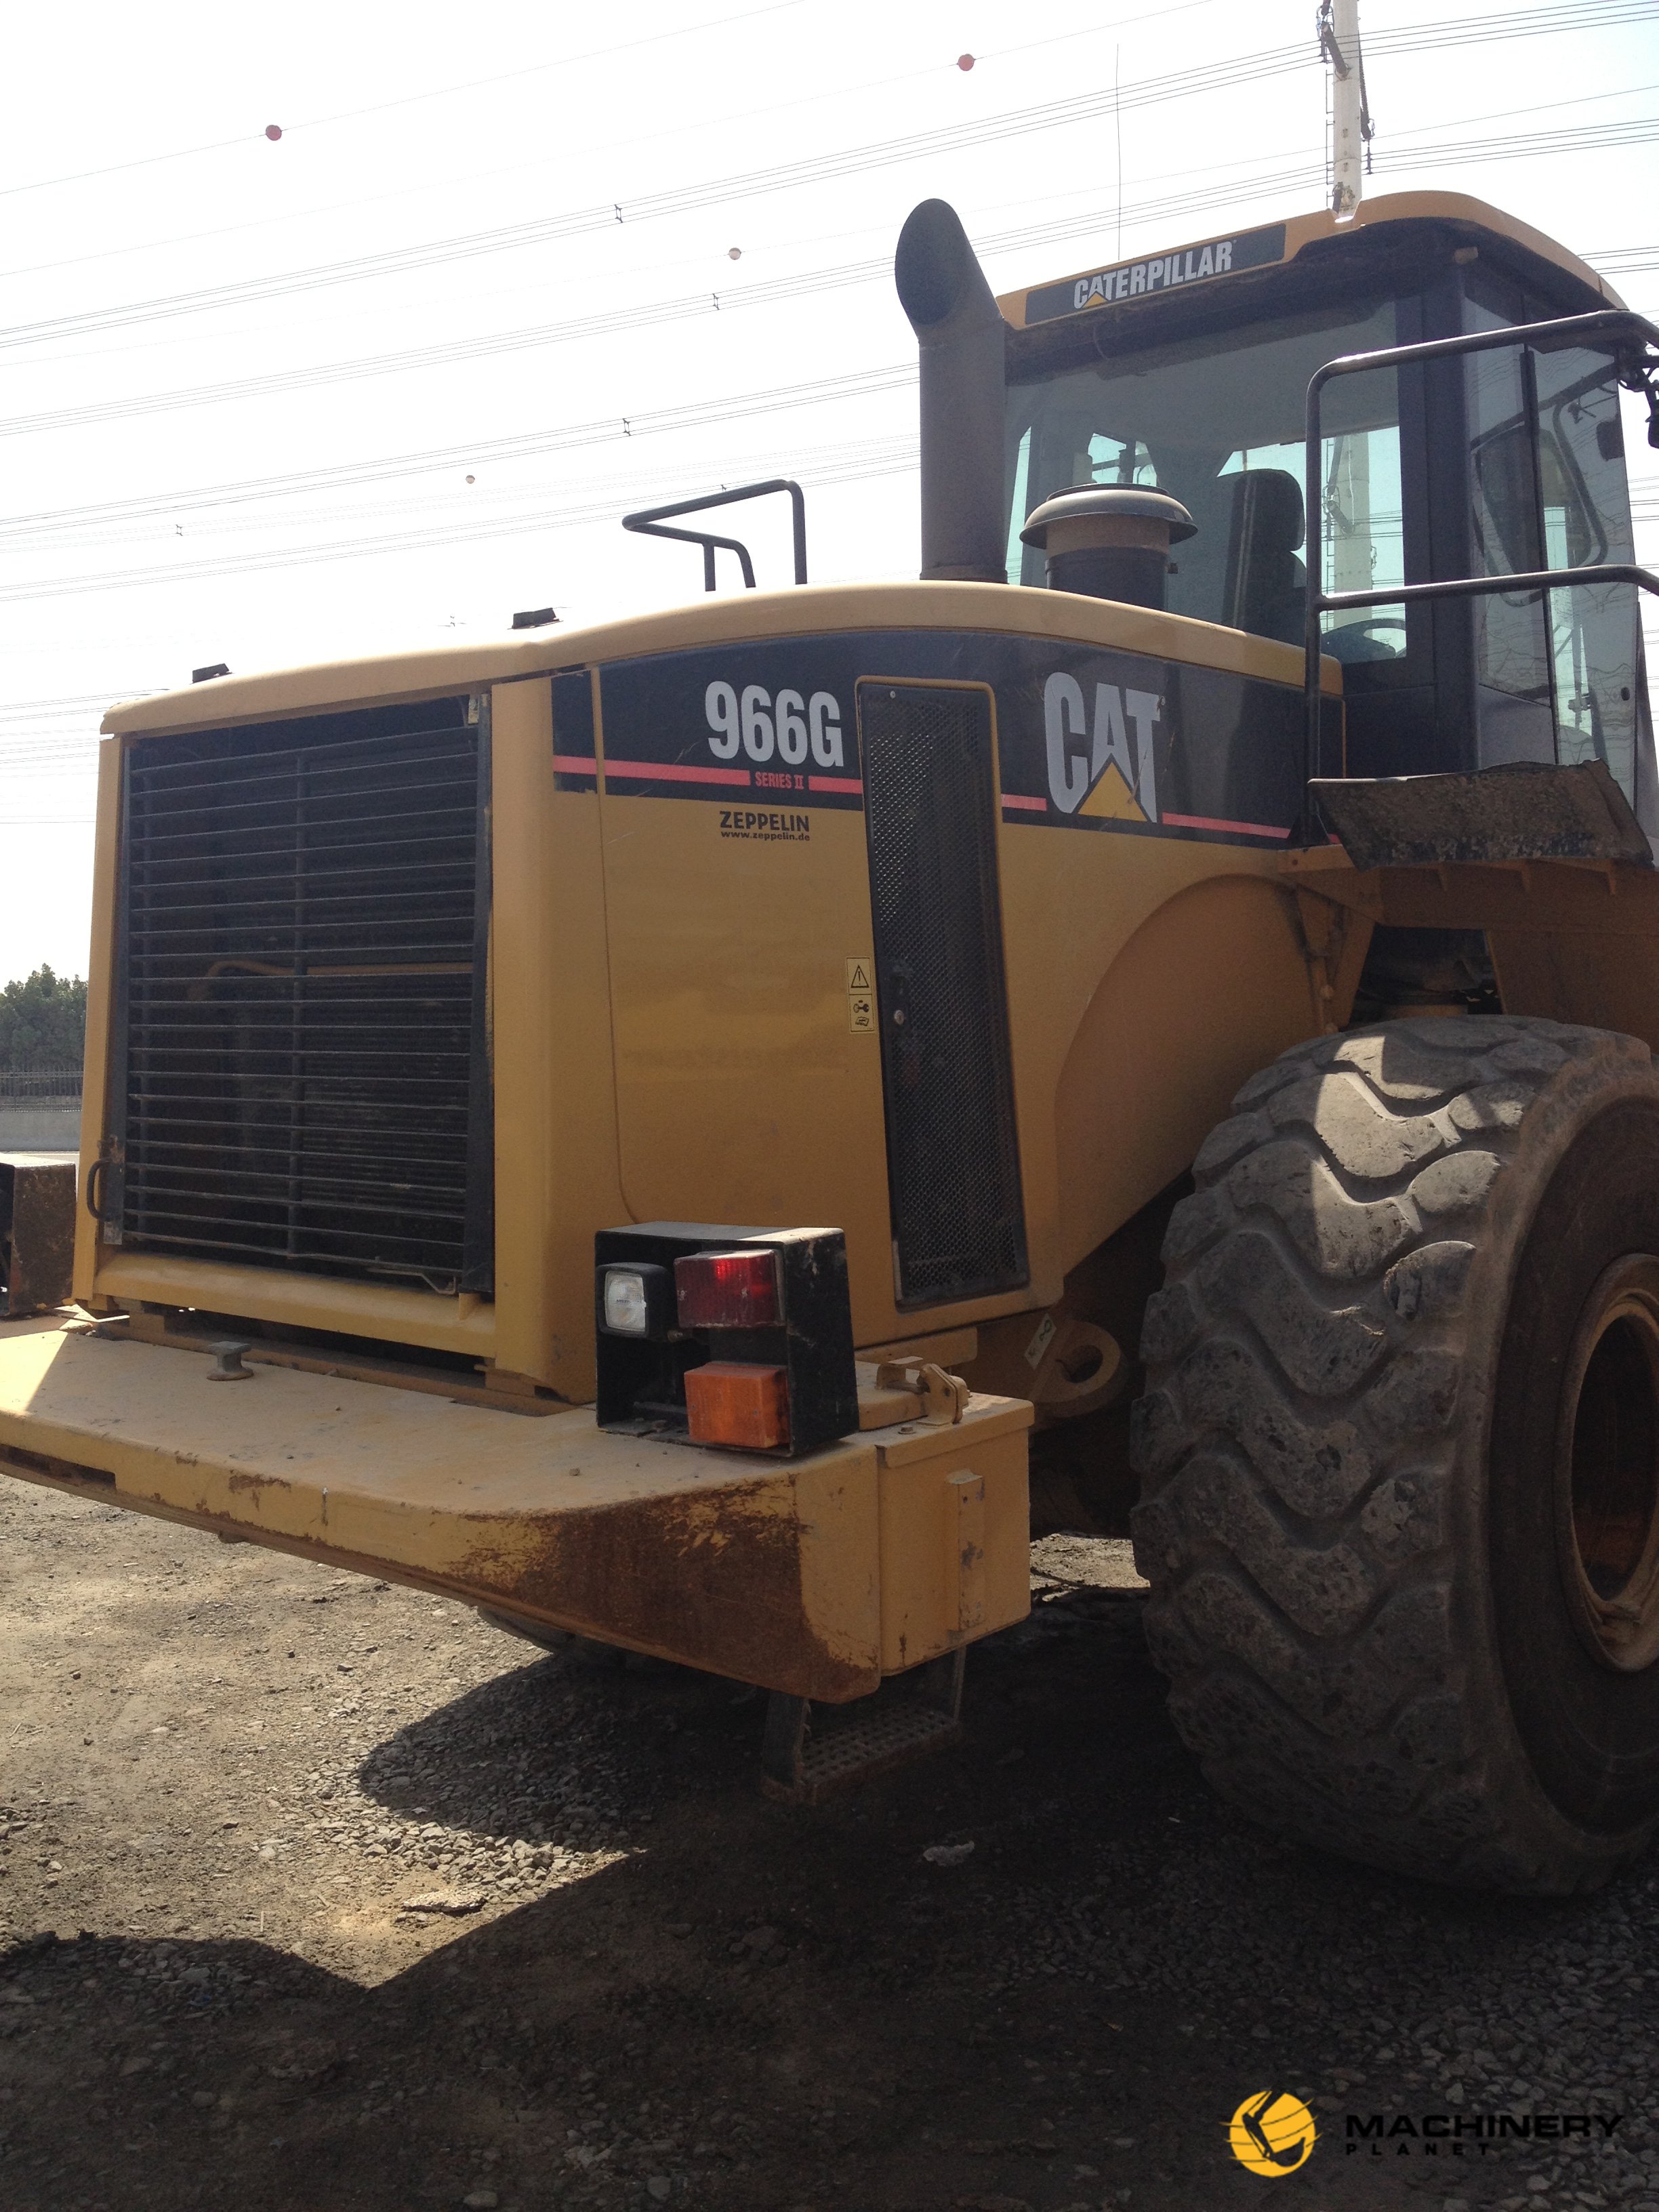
{"points": [[40, 1124]]}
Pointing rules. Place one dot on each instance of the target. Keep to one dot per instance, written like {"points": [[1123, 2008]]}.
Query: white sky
{"points": [[390, 143]]}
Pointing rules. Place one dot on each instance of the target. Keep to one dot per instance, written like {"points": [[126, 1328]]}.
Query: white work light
{"points": [[627, 1307]]}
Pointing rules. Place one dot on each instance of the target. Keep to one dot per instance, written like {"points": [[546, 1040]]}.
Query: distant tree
{"points": [[43, 1017]]}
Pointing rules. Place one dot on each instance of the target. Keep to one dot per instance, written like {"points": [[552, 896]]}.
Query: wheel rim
{"points": [[1608, 1469]]}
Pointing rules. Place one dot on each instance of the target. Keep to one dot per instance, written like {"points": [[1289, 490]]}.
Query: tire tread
{"points": [[1296, 1438]]}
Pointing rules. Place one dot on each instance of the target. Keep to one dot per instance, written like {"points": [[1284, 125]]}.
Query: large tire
{"points": [[1400, 1451]]}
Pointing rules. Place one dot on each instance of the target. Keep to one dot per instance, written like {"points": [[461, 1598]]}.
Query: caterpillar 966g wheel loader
{"points": [[1237, 842]]}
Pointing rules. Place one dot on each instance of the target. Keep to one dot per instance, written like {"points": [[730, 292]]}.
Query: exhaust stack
{"points": [[942, 289]]}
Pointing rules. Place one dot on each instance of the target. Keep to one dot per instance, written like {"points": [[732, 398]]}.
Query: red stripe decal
{"points": [[1025, 805], [836, 783], [575, 764], [671, 772], [1229, 828]]}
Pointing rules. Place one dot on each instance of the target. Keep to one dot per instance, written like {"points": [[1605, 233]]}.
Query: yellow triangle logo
{"points": [[1111, 800]]}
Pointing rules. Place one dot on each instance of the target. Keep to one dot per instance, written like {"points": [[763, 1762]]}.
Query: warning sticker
{"points": [[860, 993]]}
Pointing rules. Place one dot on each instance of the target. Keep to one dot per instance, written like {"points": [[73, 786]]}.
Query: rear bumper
{"points": [[814, 1577]]}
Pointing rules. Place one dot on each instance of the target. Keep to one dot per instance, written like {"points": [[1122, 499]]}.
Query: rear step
{"points": [[810, 1751]]}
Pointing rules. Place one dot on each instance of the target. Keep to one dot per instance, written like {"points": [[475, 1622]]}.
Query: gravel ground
{"points": [[317, 1893]]}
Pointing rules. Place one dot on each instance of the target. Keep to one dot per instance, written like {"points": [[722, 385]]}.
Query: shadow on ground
{"points": [[761, 2006]]}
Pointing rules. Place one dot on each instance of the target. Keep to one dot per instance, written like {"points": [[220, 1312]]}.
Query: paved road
{"points": [[319, 1894]]}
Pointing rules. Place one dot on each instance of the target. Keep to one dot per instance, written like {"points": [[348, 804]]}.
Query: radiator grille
{"points": [[953, 1150], [302, 1017]]}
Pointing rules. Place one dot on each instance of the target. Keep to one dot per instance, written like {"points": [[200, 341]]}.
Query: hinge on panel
{"points": [[909, 1390], [1323, 929]]}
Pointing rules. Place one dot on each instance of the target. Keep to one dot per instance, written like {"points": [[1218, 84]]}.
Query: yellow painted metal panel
{"points": [[1571, 941], [762, 1570], [1212, 986], [556, 1178], [955, 1539], [422, 1318], [1005, 609], [670, 1027], [1092, 999], [743, 1095], [100, 979]]}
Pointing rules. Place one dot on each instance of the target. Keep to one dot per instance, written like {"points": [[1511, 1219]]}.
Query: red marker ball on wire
{"points": [[964, 61], [273, 132]]}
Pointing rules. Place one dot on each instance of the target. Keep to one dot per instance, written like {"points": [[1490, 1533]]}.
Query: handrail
{"points": [[648, 521], [1531, 580], [1562, 330]]}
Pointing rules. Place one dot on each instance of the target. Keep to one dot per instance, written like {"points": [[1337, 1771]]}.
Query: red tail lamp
{"points": [[727, 1290], [729, 1403]]}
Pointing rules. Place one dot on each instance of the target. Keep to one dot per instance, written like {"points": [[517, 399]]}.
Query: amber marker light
{"points": [[728, 1402]]}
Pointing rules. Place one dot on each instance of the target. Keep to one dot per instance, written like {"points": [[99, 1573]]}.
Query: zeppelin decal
{"points": [[769, 826], [1134, 280]]}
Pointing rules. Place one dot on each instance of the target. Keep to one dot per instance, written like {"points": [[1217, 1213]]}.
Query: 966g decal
{"points": [[792, 725]]}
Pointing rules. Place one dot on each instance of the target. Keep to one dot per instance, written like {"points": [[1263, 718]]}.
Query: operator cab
{"points": [[1187, 373]]}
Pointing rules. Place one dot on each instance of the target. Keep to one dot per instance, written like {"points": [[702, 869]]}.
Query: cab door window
{"points": [[1585, 503]]}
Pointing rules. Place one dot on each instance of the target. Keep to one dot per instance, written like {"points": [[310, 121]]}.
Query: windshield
{"points": [[1217, 422]]}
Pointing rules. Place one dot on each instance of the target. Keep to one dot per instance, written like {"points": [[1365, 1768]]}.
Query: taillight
{"points": [[737, 1337], [729, 1403], [727, 1290]]}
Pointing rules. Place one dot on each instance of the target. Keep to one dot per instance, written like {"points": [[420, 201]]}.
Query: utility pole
{"points": [[1350, 122]]}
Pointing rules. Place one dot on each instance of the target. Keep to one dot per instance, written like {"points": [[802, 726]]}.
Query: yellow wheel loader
{"points": [[659, 1130]]}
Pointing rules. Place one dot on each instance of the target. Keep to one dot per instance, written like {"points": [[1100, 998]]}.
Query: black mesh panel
{"points": [[301, 1005], [953, 1150]]}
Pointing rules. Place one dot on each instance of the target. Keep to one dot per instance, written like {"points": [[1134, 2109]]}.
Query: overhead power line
{"points": [[66, 705], [1525, 145], [653, 422], [1619, 260], [701, 121], [1569, 15], [789, 176], [843, 464], [379, 107], [650, 314], [453, 88]]}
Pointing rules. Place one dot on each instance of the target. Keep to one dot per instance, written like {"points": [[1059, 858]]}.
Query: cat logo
{"points": [[1272, 2133], [1090, 771]]}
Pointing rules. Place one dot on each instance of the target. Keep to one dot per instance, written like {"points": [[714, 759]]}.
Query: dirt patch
{"points": [[318, 1893]]}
